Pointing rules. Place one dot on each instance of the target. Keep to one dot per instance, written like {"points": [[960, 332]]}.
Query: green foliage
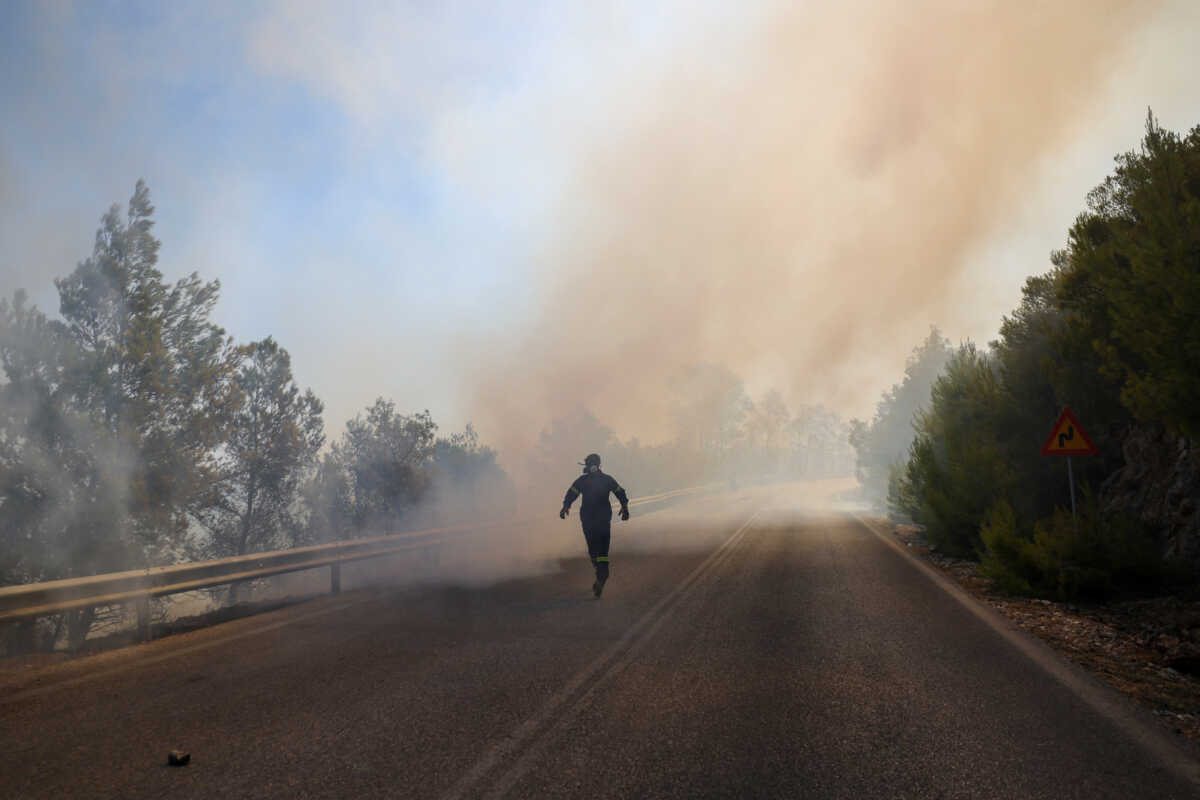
{"points": [[273, 439], [974, 458], [1090, 557], [1005, 557], [882, 444], [1112, 332], [466, 479], [1130, 277], [1041, 371], [153, 373], [374, 474], [328, 499], [62, 494], [386, 454], [133, 432], [956, 468], [460, 458], [112, 417]]}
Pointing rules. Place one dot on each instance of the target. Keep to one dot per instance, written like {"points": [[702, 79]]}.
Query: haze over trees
{"points": [[274, 434], [135, 432], [1112, 331], [881, 445], [723, 437]]}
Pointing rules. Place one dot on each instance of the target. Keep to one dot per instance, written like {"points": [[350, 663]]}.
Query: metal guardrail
{"points": [[32, 600]]}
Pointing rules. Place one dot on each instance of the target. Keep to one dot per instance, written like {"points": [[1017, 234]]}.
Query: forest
{"points": [[136, 432], [1111, 331]]}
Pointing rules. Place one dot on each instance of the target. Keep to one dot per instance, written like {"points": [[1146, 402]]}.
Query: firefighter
{"points": [[595, 513]]}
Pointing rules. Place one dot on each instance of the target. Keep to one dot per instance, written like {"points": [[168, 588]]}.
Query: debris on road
{"points": [[178, 758]]}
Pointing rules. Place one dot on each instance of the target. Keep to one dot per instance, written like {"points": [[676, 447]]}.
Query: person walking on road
{"points": [[595, 513]]}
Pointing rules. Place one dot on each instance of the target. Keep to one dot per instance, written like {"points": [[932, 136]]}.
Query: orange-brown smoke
{"points": [[793, 203]]}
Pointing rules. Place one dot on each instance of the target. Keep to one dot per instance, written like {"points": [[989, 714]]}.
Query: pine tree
{"points": [[273, 439]]}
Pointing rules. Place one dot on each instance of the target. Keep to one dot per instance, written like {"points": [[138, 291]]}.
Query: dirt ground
{"points": [[1147, 649]]}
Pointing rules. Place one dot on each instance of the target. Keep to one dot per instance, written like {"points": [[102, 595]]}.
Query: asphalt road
{"points": [[748, 645]]}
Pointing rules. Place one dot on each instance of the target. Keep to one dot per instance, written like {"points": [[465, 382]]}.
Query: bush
{"points": [[1111, 332], [1004, 557], [956, 467], [880, 444], [1092, 557]]}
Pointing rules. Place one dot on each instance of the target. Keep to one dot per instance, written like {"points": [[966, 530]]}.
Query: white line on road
{"points": [[599, 671], [134, 661], [1101, 698]]}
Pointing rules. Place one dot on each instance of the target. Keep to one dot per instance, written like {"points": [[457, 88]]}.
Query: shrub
{"points": [[956, 467], [1004, 557], [1091, 557]]}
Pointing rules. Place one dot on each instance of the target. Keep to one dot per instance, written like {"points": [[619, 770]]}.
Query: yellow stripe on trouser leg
{"points": [[602, 558]]}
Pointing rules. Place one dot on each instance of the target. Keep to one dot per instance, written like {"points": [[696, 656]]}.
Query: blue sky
{"points": [[325, 228], [502, 212]]}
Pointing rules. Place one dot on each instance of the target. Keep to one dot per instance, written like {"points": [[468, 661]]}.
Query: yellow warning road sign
{"points": [[1068, 438]]}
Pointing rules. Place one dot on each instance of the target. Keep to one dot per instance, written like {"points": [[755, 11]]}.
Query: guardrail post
{"points": [[25, 602], [143, 615]]}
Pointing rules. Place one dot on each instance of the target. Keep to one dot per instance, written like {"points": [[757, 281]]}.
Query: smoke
{"points": [[793, 198], [532, 208], [66, 480]]}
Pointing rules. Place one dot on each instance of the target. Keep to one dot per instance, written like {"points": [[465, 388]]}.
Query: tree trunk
{"points": [[79, 624], [244, 539]]}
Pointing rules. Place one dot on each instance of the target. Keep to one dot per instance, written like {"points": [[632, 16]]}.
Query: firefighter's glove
{"points": [[624, 512], [562, 514]]}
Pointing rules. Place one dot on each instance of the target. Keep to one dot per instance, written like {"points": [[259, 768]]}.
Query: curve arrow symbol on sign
{"points": [[1068, 438]]}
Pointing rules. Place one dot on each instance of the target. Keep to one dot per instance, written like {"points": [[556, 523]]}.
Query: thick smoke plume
{"points": [[795, 202]]}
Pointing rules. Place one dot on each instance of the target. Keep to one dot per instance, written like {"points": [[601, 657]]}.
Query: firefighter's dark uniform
{"points": [[595, 513]]}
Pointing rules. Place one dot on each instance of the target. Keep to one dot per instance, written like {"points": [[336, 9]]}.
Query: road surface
{"points": [[748, 645]]}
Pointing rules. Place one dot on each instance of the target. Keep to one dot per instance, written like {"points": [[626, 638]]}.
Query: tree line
{"points": [[135, 432], [723, 435], [1112, 331]]}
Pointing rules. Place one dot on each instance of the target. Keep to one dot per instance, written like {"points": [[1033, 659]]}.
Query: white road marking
{"points": [[135, 662], [599, 671], [1104, 700]]}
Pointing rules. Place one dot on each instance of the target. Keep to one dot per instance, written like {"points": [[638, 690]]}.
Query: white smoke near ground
{"points": [[619, 190], [793, 199], [790, 191]]}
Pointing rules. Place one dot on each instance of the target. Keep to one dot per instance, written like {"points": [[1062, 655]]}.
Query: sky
{"points": [[503, 212]]}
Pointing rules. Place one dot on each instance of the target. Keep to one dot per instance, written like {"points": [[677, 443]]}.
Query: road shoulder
{"points": [[1126, 647]]}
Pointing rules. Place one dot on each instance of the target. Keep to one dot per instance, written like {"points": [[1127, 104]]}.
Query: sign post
{"points": [[1071, 480], [1069, 439]]}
